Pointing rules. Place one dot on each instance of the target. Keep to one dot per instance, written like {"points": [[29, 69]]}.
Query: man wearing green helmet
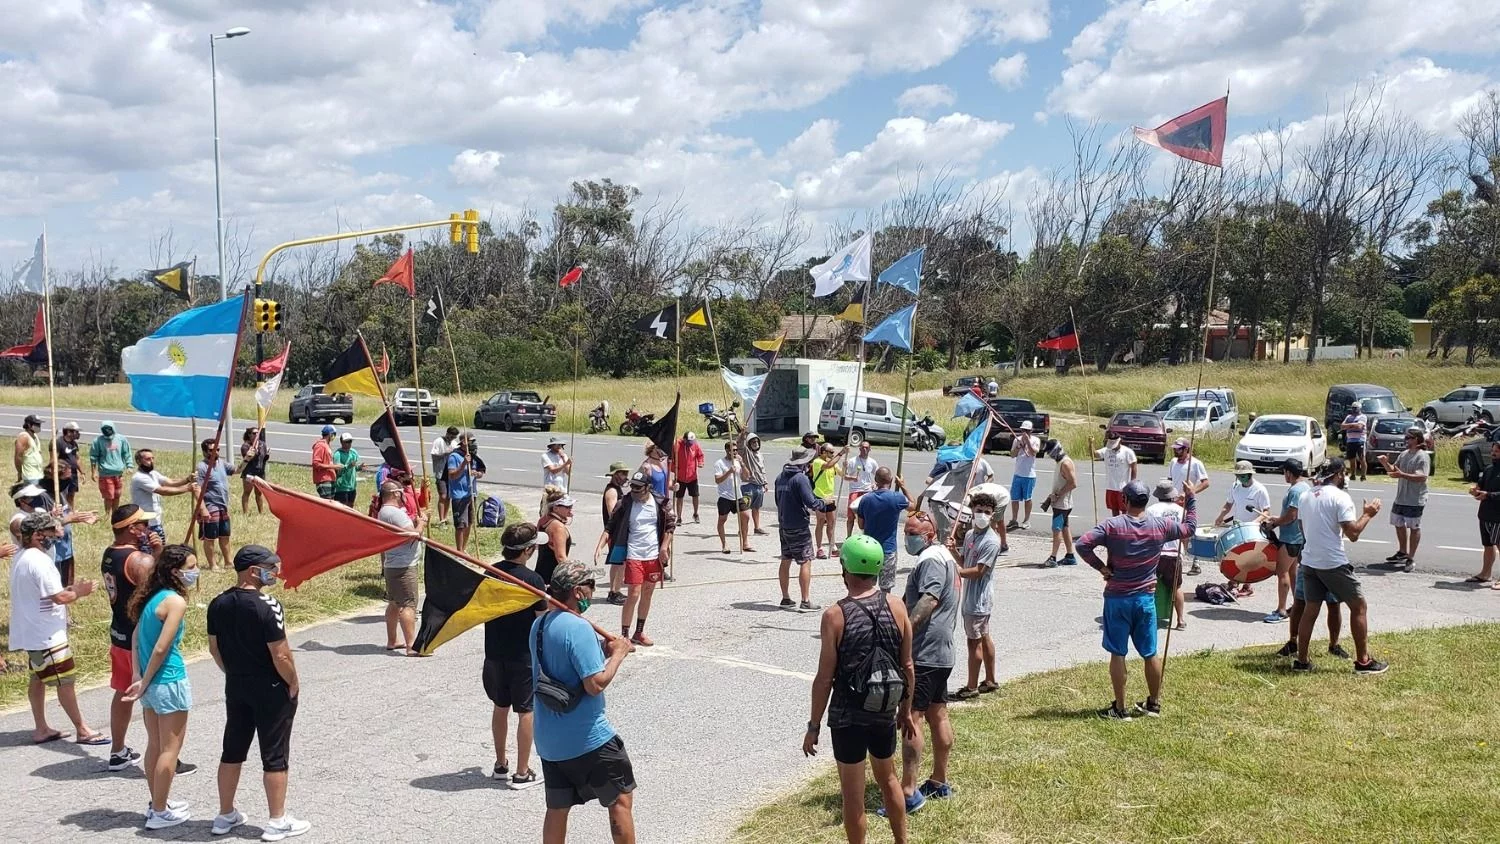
{"points": [[864, 683]]}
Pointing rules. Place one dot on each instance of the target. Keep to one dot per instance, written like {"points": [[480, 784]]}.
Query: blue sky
{"points": [[339, 113]]}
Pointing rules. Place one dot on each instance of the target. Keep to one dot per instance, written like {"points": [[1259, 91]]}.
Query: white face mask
{"points": [[982, 521]]}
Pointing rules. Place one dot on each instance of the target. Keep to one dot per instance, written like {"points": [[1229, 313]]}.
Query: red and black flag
{"points": [[1196, 136], [35, 352], [1061, 338], [663, 431]]}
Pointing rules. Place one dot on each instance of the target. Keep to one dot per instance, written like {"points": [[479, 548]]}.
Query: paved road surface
{"points": [[1450, 531], [391, 748]]}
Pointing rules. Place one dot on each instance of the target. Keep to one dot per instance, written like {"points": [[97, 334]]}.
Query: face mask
{"points": [[1343, 483], [1246, 480], [48, 542], [584, 604], [190, 577], [982, 521], [266, 577], [915, 543]]}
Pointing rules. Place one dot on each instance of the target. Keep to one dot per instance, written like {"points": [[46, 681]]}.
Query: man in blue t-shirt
{"points": [[881, 513], [464, 468], [583, 758]]}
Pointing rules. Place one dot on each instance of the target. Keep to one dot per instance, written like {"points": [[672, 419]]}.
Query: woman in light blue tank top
{"points": [[161, 683]]}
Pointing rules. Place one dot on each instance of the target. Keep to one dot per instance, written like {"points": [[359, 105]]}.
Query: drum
{"points": [[1205, 544], [1245, 555]]}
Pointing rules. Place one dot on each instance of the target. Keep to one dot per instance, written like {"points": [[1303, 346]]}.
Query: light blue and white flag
{"points": [[852, 263], [183, 368], [968, 405], [895, 329], [965, 451], [747, 387], [32, 274], [907, 272]]}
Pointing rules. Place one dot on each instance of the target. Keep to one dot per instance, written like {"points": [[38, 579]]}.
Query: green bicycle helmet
{"points": [[862, 554]]}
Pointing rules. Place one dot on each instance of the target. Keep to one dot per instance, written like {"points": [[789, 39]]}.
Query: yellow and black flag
{"points": [[352, 372], [177, 279], [700, 317], [855, 312], [458, 598]]}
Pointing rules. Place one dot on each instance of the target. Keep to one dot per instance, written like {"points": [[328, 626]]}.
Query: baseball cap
{"points": [[1293, 465], [570, 575], [639, 479], [1136, 494], [329, 429], [346, 437], [39, 521], [618, 466], [1026, 425], [1243, 467], [126, 515], [1334, 466], [690, 436], [800, 457], [1179, 443], [255, 555], [27, 491], [31, 419], [70, 426], [1164, 491]]}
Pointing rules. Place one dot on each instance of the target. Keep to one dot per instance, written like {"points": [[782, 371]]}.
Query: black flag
{"points": [[385, 437], [436, 311], [664, 430], [662, 324]]}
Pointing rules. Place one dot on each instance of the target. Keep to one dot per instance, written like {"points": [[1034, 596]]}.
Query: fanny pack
{"points": [[552, 694]]}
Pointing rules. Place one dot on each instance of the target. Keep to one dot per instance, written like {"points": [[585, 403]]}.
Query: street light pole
{"points": [[213, 67]]}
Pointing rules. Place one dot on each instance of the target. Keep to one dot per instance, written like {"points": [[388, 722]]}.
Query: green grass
{"points": [[1247, 752], [345, 589]]}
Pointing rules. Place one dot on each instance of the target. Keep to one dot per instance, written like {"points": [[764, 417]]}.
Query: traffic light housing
{"points": [[471, 225], [266, 315], [455, 228]]}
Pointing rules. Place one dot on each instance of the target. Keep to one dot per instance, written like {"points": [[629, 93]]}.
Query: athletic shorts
{"points": [[65, 569], [638, 572], [732, 505], [1293, 549], [851, 745], [215, 526], [255, 707], [851, 509], [1340, 583], [602, 774], [932, 687], [1060, 519], [1130, 619], [1299, 590], [1489, 533], [344, 497], [687, 488], [70, 484], [796, 544], [1406, 516], [507, 683], [1022, 488], [166, 698], [462, 511], [325, 490], [1114, 499], [976, 626], [401, 586], [53, 666], [252, 471], [110, 486], [121, 674], [1354, 451], [756, 493]]}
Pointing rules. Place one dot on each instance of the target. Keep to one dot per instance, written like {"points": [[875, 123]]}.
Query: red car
{"points": [[1142, 430]]}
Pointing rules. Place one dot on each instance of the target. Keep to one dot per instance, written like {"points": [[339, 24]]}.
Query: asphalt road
{"points": [[1450, 541]]}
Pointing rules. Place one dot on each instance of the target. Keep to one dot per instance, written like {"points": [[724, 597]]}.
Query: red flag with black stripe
{"points": [[1061, 338], [1196, 136], [35, 352]]}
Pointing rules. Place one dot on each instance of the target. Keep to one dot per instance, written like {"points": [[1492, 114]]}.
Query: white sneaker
{"points": [[172, 805], [171, 817], [224, 823], [285, 827]]}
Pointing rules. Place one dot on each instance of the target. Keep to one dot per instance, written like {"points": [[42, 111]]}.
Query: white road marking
{"points": [[731, 661], [1461, 548]]}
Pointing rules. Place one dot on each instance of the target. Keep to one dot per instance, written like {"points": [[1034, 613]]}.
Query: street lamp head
{"points": [[236, 31]]}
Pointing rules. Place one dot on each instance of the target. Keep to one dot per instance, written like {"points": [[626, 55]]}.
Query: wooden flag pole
{"points": [[416, 382], [906, 403], [739, 526], [859, 379], [51, 376], [1088, 413]]}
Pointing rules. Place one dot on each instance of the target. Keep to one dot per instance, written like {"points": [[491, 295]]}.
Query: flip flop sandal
{"points": [[1476, 579], [95, 740], [56, 736]]}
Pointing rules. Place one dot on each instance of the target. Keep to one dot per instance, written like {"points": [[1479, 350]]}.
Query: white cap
{"points": [[1026, 426], [346, 437]]}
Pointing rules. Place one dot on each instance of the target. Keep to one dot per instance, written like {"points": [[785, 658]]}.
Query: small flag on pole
{"points": [[852, 263], [766, 351], [352, 372], [265, 392], [384, 435], [661, 325], [896, 329], [1062, 338], [855, 310], [664, 430], [182, 369], [384, 367], [573, 276], [316, 536], [907, 272], [176, 280], [31, 274], [403, 274], [35, 352], [698, 318], [1196, 136], [436, 311]]}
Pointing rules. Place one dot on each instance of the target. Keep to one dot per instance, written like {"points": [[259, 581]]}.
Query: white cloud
{"points": [[925, 98], [1009, 72]]}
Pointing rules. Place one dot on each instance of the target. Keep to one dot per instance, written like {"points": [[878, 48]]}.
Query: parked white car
{"points": [[1201, 418], [1454, 408], [1271, 439]]}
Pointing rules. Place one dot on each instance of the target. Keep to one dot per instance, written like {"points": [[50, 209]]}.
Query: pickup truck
{"points": [[963, 385], [408, 406], [509, 410], [311, 404], [1013, 412]]}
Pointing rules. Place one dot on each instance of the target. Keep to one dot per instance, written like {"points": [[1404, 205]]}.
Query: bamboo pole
{"points": [[416, 382], [1088, 413], [906, 403]]}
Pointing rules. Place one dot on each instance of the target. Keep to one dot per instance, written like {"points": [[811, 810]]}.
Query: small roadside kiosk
{"points": [[794, 391]]}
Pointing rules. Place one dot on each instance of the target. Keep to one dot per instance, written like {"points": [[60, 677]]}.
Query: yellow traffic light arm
{"points": [[470, 222]]}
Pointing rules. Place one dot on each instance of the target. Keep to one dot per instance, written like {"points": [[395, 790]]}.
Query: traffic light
{"points": [[266, 315], [471, 224], [455, 228], [273, 318]]}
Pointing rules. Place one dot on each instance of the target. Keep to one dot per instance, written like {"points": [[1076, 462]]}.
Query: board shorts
{"points": [[1322, 584], [851, 508], [121, 673], [602, 774], [1021, 488], [1489, 533], [256, 707], [976, 627], [931, 688], [1406, 516], [638, 572], [685, 488], [1114, 499], [796, 544], [1354, 450], [1169, 570], [215, 526], [852, 745], [733, 505], [1130, 619], [53, 666], [1060, 519], [508, 684], [325, 490], [756, 493], [1299, 589], [462, 511], [110, 486], [401, 586]]}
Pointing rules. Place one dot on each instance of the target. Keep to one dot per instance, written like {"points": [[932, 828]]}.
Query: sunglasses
{"points": [[637, 487]]}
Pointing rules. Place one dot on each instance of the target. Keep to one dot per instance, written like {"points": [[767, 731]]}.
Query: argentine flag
{"points": [[183, 368]]}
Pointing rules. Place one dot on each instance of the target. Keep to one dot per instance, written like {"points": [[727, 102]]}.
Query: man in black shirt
{"points": [[1487, 493], [507, 657], [67, 455], [247, 637]]}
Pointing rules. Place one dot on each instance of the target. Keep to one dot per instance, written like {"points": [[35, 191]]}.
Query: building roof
{"points": [[819, 328]]}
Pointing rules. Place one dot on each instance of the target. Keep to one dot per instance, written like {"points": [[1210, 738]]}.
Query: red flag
{"points": [[276, 364], [1061, 338], [402, 273], [572, 277], [385, 362], [35, 351], [1196, 136], [317, 536]]}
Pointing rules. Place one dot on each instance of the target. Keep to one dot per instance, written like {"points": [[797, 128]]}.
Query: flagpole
{"points": [[458, 388], [223, 417], [1088, 413], [51, 376], [739, 526], [989, 417], [417, 385], [193, 422], [859, 379]]}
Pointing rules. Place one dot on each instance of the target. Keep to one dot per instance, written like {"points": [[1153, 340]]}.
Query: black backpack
{"points": [[876, 684]]}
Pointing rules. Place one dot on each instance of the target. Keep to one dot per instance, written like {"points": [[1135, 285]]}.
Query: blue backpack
{"points": [[492, 512]]}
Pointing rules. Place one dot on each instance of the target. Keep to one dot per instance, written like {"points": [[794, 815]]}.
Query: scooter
{"points": [[599, 418], [929, 436], [634, 421], [721, 422]]}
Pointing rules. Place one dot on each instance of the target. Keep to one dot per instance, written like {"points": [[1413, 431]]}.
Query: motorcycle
{"points": [[721, 422], [1474, 426], [929, 437], [599, 418], [634, 421]]}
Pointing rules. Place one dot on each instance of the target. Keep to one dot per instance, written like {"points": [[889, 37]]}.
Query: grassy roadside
{"points": [[345, 589], [1247, 752]]}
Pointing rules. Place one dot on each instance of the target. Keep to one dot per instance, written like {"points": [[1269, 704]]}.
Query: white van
{"points": [[879, 419], [1229, 409]]}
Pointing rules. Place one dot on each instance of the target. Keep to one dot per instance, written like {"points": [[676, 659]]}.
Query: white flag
{"points": [[852, 263], [31, 275], [265, 393]]}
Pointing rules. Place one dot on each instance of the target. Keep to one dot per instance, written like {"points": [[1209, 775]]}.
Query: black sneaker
{"points": [[1289, 649], [1299, 665], [1396, 558], [1114, 713], [1049, 563], [1147, 707], [124, 759], [1371, 666], [1195, 570], [616, 598], [1338, 651], [787, 603], [501, 772], [185, 768], [1410, 566], [1012, 525]]}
